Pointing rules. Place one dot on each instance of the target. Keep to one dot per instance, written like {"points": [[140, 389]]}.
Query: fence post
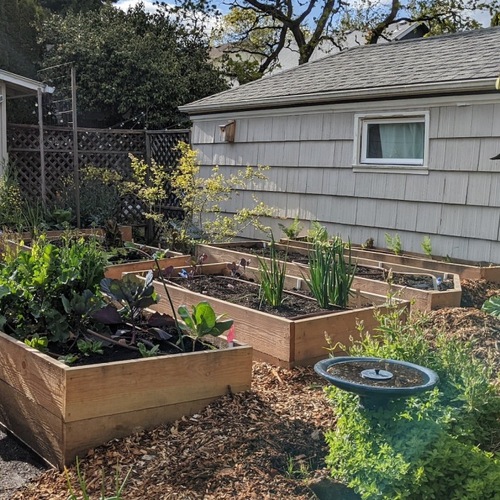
{"points": [[149, 222]]}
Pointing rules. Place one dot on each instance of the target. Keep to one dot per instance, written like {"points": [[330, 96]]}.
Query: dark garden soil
{"points": [[266, 443], [420, 281], [246, 293]]}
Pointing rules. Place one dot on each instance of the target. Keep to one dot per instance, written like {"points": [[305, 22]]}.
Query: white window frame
{"points": [[362, 163]]}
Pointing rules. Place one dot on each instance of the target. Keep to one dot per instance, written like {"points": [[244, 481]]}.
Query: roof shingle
{"points": [[465, 56]]}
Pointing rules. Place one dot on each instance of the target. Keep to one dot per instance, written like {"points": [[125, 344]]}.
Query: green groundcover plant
{"points": [[442, 444]]}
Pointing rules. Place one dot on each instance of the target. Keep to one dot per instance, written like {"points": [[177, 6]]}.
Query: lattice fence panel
{"points": [[101, 148]]}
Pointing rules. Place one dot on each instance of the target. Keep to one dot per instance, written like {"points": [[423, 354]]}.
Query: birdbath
{"points": [[376, 381]]}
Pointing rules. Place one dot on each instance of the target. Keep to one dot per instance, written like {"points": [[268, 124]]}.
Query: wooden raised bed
{"points": [[175, 259], [464, 268], [423, 300], [61, 412], [283, 341]]}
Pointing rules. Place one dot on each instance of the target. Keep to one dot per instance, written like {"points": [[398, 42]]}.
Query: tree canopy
{"points": [[19, 52], [133, 68], [262, 29]]}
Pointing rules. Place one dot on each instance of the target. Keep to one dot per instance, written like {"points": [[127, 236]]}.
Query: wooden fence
{"points": [[104, 148]]}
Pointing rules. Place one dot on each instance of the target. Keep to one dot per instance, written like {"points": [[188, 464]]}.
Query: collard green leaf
{"points": [[492, 306], [108, 316]]}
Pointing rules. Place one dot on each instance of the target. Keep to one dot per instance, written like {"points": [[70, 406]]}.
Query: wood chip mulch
{"points": [[246, 446]]}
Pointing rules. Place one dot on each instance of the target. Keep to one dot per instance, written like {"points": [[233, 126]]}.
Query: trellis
{"points": [[104, 148]]}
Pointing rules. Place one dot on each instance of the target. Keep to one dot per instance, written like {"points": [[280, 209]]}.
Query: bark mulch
{"points": [[264, 443]]}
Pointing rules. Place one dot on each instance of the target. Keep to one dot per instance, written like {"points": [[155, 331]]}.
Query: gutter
{"points": [[377, 93]]}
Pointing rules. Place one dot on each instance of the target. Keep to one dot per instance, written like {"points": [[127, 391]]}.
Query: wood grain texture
{"points": [[61, 411]]}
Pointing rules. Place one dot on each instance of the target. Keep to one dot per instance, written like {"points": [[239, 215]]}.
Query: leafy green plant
{"points": [[425, 446], [272, 277], [317, 233], [148, 353], [427, 246], [394, 243], [43, 289], [68, 359], [39, 343], [492, 306], [293, 230], [202, 321], [11, 200], [90, 346], [134, 295], [330, 273]]}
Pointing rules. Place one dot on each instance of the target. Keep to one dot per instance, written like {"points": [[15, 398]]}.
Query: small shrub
{"points": [[293, 230], [427, 246], [394, 243], [317, 232]]}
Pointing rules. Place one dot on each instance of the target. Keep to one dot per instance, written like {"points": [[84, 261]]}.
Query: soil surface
{"points": [[267, 443], [246, 293]]}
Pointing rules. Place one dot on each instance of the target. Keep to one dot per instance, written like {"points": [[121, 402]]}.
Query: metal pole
{"points": [[42, 148], [76, 173]]}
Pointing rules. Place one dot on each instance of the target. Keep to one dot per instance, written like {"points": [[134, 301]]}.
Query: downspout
{"points": [[3, 127], [42, 148]]}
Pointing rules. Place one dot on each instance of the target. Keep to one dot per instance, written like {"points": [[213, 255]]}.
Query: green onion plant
{"points": [[272, 277], [331, 274]]}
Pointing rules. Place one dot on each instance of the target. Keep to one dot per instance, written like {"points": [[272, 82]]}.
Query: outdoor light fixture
{"points": [[228, 131]]}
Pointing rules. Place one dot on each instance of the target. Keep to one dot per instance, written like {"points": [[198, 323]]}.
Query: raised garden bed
{"points": [[403, 282], [286, 341], [61, 412], [170, 258], [464, 268]]}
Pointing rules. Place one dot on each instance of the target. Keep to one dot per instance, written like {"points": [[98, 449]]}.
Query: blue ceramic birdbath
{"points": [[376, 381]]}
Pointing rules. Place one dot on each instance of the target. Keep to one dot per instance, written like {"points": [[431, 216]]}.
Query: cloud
{"points": [[149, 5]]}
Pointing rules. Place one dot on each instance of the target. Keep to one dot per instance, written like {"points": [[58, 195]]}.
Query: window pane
{"points": [[395, 140]]}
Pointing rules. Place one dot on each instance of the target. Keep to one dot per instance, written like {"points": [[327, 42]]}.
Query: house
{"points": [[14, 87], [392, 138], [289, 56]]}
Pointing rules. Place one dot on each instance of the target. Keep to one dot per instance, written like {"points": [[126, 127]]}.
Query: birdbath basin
{"points": [[376, 381]]}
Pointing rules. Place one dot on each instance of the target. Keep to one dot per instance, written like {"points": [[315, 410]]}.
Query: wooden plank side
{"points": [[83, 435], [116, 271], [311, 344], [32, 373], [262, 331], [39, 429], [464, 270], [114, 388]]}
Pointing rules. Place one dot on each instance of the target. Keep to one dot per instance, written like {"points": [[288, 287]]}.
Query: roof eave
{"points": [[401, 91], [19, 82]]}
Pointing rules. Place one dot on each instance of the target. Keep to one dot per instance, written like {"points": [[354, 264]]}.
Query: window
{"points": [[391, 140]]}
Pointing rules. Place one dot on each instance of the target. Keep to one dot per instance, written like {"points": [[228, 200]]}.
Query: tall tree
{"points": [[64, 6], [310, 22], [19, 51], [134, 68]]}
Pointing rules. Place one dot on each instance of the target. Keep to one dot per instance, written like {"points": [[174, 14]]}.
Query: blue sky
{"points": [[484, 17]]}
